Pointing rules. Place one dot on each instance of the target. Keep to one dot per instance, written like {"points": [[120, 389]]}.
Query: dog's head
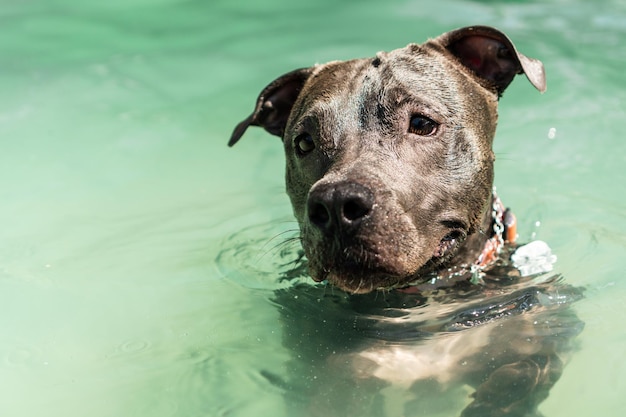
{"points": [[389, 159]]}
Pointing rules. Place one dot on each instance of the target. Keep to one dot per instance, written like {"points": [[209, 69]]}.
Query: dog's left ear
{"points": [[491, 55], [274, 104]]}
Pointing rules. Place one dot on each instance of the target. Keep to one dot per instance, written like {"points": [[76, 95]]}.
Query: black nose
{"points": [[339, 207]]}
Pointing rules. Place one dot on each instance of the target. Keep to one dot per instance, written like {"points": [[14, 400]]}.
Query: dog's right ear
{"points": [[274, 104], [491, 56]]}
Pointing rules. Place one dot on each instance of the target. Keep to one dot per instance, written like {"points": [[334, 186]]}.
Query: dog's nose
{"points": [[339, 207]]}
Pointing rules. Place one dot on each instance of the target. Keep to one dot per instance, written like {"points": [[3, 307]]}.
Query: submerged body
{"points": [[494, 349]]}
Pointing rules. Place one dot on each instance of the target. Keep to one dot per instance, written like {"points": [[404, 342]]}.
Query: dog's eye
{"points": [[304, 144], [422, 126]]}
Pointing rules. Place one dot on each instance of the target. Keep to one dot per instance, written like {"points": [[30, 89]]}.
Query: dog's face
{"points": [[389, 165], [389, 159]]}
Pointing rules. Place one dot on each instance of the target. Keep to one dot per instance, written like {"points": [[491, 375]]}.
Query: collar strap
{"points": [[504, 231]]}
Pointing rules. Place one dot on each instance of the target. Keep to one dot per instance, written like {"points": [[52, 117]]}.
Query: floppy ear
{"points": [[491, 55], [274, 104]]}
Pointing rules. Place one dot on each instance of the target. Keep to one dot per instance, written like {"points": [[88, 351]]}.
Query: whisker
{"points": [[265, 250], [279, 244], [359, 286], [279, 235]]}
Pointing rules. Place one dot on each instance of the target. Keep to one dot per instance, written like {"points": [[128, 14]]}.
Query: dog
{"points": [[389, 169]]}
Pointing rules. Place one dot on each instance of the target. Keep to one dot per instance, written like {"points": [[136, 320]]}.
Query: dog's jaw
{"points": [[362, 265]]}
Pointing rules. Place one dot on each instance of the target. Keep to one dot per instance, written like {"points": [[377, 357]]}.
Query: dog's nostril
{"points": [[319, 214], [355, 209]]}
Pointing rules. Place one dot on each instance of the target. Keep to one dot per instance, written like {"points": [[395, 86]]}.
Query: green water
{"points": [[138, 255]]}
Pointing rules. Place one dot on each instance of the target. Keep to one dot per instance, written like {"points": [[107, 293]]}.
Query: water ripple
{"points": [[258, 256]]}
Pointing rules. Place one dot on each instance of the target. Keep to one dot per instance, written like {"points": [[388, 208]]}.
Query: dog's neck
{"points": [[483, 247]]}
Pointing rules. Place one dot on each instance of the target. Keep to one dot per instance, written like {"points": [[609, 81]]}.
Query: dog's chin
{"points": [[361, 281], [360, 277]]}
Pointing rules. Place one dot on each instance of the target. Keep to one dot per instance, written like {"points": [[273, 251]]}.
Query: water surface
{"points": [[139, 256]]}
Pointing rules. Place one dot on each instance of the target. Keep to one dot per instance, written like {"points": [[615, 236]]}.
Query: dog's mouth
{"points": [[361, 268], [358, 278], [447, 246]]}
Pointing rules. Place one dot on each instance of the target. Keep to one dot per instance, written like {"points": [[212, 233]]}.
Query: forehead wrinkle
{"points": [[404, 84], [372, 96], [420, 79]]}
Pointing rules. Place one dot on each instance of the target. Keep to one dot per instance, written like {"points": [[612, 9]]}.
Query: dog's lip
{"points": [[453, 224], [456, 232], [448, 243]]}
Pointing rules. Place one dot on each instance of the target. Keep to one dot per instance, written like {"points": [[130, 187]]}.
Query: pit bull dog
{"points": [[390, 175]]}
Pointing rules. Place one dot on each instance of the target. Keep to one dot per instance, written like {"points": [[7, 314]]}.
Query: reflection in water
{"points": [[490, 349]]}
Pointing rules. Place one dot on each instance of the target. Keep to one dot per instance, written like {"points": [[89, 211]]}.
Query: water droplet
{"points": [[552, 133]]}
